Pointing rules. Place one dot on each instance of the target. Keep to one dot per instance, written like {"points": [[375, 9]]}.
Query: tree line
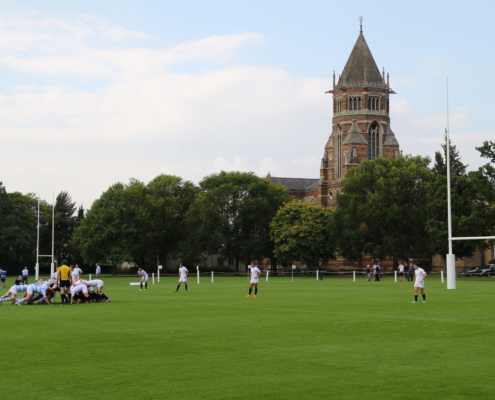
{"points": [[395, 208]]}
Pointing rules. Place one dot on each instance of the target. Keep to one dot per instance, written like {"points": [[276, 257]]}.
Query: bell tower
{"points": [[361, 121]]}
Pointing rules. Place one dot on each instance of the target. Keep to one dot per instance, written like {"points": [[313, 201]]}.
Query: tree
{"points": [[169, 199], [488, 151], [105, 234], [303, 231], [18, 221], [381, 211], [231, 216], [136, 222]]}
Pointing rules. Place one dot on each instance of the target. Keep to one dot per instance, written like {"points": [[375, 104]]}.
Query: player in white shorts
{"points": [[12, 293], [183, 272], [401, 272], [419, 284], [144, 278], [78, 287], [255, 274]]}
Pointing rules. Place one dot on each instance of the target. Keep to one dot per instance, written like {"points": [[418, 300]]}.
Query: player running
{"points": [[255, 274], [420, 283], [183, 273], [144, 278]]}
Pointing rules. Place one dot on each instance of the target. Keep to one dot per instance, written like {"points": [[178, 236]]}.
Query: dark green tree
{"points": [[231, 216], [382, 209], [105, 235], [303, 232], [488, 151]]}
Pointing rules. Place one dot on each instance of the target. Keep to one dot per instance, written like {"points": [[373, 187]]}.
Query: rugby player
{"points": [[144, 278], [183, 273], [255, 274]]}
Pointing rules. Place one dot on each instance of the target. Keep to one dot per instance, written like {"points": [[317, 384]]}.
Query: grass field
{"points": [[297, 340]]}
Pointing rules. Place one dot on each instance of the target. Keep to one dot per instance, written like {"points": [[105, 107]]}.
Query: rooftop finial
{"points": [[360, 24]]}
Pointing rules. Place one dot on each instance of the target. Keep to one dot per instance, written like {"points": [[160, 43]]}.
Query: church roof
{"points": [[361, 70], [295, 183], [361, 65]]}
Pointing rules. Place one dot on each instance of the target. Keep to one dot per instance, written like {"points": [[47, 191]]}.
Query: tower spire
{"points": [[360, 24]]}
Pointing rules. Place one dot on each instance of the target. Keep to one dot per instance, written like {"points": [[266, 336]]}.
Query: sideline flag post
{"points": [[441, 275], [395, 276], [212, 276], [197, 272], [267, 275], [159, 268], [153, 277], [293, 268], [354, 276], [317, 275]]}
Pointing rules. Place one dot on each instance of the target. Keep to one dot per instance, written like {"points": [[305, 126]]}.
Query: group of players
{"points": [[67, 281]]}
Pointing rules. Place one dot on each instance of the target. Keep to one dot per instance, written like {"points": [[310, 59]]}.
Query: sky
{"points": [[97, 92]]}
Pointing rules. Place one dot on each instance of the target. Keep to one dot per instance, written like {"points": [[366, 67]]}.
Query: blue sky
{"points": [[95, 92]]}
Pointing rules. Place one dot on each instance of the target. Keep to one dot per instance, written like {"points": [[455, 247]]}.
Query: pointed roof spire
{"points": [[361, 24]]}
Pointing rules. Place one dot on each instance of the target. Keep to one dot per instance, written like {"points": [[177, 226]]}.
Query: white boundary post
{"points": [[212, 276], [267, 275], [395, 276], [293, 268], [158, 272], [354, 276], [317, 274], [89, 276], [197, 272], [441, 275], [153, 277]]}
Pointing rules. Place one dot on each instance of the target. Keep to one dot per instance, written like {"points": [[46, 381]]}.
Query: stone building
{"points": [[360, 127]]}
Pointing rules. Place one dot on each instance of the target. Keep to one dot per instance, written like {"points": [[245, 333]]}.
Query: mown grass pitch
{"points": [[297, 340]]}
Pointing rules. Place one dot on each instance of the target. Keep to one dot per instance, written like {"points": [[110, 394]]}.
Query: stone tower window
{"points": [[354, 103], [338, 155], [373, 103], [373, 141], [339, 106]]}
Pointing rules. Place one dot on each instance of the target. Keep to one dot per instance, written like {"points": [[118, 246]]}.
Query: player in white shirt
{"points": [[401, 272], [144, 278], [255, 274], [420, 283], [76, 272], [183, 272]]}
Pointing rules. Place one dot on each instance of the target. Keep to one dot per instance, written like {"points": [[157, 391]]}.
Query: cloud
{"points": [[400, 107], [437, 121]]}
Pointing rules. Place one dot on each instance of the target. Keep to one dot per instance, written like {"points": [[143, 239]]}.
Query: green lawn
{"points": [[297, 340]]}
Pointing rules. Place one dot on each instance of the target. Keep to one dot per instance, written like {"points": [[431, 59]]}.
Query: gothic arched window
{"points": [[373, 141], [338, 153]]}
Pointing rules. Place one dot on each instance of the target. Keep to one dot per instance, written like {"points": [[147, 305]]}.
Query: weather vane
{"points": [[361, 24]]}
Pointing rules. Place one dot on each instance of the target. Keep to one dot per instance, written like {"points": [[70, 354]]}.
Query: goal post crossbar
{"points": [[473, 238]]}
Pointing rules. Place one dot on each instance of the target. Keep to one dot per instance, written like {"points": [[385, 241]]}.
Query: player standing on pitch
{"points": [[144, 278], [255, 274], [183, 272], [420, 283]]}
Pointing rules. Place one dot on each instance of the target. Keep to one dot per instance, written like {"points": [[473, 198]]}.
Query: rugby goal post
{"points": [[450, 258], [38, 255]]}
